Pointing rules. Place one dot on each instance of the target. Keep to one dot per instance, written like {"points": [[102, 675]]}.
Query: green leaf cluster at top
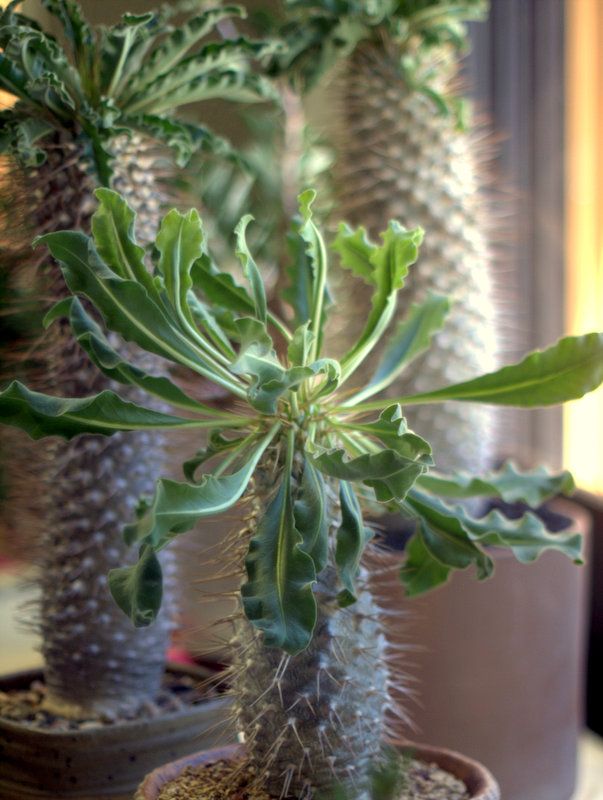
{"points": [[321, 32], [124, 78], [307, 433]]}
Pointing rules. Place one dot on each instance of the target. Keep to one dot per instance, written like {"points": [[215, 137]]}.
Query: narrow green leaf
{"points": [[250, 270], [115, 241], [352, 537], [509, 484], [390, 263], [60, 310], [218, 444], [105, 413], [138, 590], [205, 317], [177, 506], [317, 254], [92, 339], [76, 28], [178, 43], [310, 516], [355, 250], [180, 243], [410, 339], [299, 347], [421, 572], [220, 288], [300, 274], [118, 43], [235, 85], [565, 371], [278, 597], [125, 304]]}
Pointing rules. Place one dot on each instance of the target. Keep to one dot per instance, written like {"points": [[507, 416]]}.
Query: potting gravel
{"points": [[235, 781], [26, 706]]}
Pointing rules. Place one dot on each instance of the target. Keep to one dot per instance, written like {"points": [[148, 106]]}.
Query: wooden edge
{"points": [[478, 780]]}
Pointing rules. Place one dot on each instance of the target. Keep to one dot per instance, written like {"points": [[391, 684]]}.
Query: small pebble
{"points": [[235, 781]]}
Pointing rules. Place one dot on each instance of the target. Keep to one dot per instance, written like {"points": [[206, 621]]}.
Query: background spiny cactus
{"points": [[306, 449], [405, 150], [94, 113]]}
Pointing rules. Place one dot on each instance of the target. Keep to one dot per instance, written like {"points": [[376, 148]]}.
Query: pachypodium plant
{"points": [[407, 149], [96, 110], [309, 447]]}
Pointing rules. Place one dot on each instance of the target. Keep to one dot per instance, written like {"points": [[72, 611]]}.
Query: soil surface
{"points": [[235, 781], [26, 705]]}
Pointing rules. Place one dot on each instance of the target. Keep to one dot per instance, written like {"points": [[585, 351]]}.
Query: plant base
{"points": [[479, 782]]}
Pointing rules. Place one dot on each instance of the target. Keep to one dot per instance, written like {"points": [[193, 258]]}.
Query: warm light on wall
{"points": [[583, 421], [6, 99]]}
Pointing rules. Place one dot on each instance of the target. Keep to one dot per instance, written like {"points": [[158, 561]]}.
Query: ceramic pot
{"points": [[107, 762], [499, 667], [476, 778]]}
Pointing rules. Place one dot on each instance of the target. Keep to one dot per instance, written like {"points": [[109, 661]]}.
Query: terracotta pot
{"points": [[107, 762], [500, 667], [477, 779]]}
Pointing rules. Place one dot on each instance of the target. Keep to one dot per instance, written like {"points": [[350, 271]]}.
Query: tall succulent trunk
{"points": [[95, 661], [399, 159], [318, 718]]}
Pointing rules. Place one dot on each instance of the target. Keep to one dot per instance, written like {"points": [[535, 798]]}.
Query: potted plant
{"points": [[96, 110], [406, 148], [308, 448], [385, 77]]}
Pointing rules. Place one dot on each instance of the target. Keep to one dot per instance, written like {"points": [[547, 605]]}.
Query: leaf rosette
{"points": [[331, 447]]}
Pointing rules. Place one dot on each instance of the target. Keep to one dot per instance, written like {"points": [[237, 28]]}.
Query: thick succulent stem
{"points": [[399, 159], [316, 719], [96, 663]]}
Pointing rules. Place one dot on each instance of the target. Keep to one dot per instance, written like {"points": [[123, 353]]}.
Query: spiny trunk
{"points": [[95, 661], [398, 159], [317, 718]]}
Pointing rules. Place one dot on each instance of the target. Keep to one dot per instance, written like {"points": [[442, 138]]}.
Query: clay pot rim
{"points": [[478, 780], [108, 731]]}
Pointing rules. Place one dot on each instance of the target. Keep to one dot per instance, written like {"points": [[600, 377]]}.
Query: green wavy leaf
{"points": [[177, 44], [91, 338], [278, 597], [105, 413], [250, 270], [125, 304], [351, 539], [310, 516], [453, 539], [389, 474], [177, 506], [386, 267], [509, 484], [411, 338], [115, 241], [138, 590]]}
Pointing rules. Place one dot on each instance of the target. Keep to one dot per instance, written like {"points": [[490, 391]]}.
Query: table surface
{"points": [[18, 652]]}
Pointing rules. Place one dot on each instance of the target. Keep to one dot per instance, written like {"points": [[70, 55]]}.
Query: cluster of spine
{"points": [[317, 719], [398, 158], [84, 491]]}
